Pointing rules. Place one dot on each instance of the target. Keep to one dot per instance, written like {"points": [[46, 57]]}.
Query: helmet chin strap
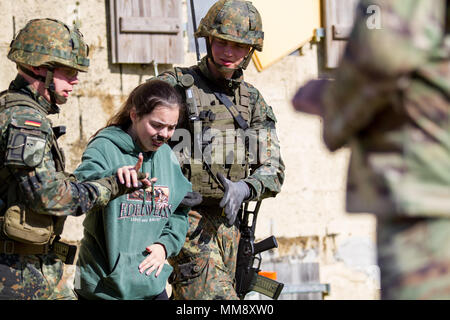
{"points": [[224, 70], [48, 84], [246, 61]]}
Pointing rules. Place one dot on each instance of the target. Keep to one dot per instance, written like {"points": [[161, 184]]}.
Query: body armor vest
{"points": [[8, 190], [222, 144]]}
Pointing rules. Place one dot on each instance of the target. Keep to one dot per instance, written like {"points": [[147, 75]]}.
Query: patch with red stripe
{"points": [[33, 123]]}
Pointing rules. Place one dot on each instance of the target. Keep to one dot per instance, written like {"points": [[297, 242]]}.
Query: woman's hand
{"points": [[155, 260], [129, 175]]}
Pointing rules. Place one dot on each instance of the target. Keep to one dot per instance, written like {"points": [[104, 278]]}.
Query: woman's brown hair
{"points": [[145, 98]]}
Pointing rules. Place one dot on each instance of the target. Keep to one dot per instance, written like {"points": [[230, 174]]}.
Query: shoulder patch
{"points": [[33, 120], [27, 138]]}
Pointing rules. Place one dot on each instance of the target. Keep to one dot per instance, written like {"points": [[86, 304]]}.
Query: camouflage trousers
{"points": [[205, 267], [414, 258], [33, 277]]}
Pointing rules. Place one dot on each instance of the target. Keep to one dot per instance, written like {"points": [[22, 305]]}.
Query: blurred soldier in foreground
{"points": [[221, 105], [390, 103], [36, 194]]}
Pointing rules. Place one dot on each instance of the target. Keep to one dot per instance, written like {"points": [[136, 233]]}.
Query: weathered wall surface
{"points": [[308, 216]]}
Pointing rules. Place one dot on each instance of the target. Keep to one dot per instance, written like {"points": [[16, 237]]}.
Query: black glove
{"points": [[191, 199], [235, 194]]}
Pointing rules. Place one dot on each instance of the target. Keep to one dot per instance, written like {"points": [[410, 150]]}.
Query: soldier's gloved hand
{"points": [[235, 194], [191, 199], [127, 180], [141, 182], [131, 176], [117, 188]]}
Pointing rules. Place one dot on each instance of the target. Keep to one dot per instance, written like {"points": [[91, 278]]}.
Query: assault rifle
{"points": [[249, 252]]}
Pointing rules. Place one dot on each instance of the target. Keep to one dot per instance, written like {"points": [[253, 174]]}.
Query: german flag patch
{"points": [[33, 123]]}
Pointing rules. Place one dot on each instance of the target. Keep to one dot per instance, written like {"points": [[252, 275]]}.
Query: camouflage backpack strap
{"points": [[244, 95], [3, 100], [4, 172], [13, 98]]}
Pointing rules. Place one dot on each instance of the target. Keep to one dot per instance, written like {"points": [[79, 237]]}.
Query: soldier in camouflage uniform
{"points": [[36, 194], [206, 265], [390, 103]]}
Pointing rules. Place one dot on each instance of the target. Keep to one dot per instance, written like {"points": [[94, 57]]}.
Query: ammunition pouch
{"points": [[18, 237], [23, 225]]}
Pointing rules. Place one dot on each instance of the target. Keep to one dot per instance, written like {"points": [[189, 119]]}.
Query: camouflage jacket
{"points": [[35, 176], [390, 102], [265, 163]]}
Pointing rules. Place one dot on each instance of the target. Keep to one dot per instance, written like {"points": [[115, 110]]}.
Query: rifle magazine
{"points": [[266, 286]]}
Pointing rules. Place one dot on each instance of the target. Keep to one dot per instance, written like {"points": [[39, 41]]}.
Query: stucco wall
{"points": [[308, 216]]}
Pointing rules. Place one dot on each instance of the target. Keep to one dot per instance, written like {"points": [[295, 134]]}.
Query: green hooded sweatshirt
{"points": [[115, 237]]}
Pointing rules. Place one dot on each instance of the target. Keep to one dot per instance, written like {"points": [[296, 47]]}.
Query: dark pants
{"points": [[205, 267]]}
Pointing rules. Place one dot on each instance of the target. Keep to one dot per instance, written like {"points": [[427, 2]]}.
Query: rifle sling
{"points": [[232, 108], [225, 100]]}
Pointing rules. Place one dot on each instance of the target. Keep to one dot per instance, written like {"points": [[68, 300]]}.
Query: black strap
{"points": [[224, 99], [234, 112]]}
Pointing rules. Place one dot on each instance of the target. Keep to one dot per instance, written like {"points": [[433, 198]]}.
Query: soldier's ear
{"points": [[40, 71]]}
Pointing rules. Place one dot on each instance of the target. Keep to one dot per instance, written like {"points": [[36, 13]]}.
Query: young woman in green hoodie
{"points": [[125, 245]]}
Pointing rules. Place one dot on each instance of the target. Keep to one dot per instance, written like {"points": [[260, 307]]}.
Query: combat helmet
{"points": [[233, 20], [49, 43]]}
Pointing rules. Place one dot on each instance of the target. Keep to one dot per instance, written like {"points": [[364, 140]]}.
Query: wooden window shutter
{"points": [[339, 17], [146, 31]]}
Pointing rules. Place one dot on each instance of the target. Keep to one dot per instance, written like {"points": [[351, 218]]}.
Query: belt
{"points": [[64, 251], [15, 247]]}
